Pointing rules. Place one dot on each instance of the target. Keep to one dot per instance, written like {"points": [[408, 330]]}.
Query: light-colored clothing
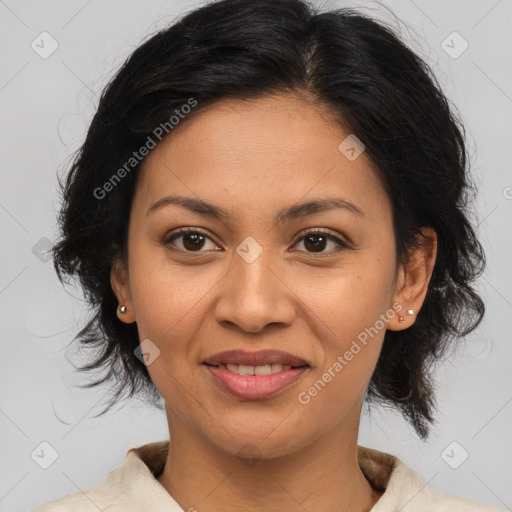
{"points": [[134, 487]]}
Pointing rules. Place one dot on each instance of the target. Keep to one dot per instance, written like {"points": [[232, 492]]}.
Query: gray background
{"points": [[46, 105]]}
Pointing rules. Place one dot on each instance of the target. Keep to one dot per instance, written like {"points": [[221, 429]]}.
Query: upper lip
{"points": [[255, 358]]}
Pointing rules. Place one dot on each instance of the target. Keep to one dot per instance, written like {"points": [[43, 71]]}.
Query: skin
{"points": [[253, 157]]}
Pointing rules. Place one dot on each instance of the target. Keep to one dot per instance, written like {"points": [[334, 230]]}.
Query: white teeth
{"points": [[263, 370], [246, 369]]}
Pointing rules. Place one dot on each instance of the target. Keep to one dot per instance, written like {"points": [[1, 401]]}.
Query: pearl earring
{"points": [[123, 309], [401, 319]]}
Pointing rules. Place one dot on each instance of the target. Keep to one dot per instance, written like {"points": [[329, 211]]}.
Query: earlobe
{"points": [[412, 285], [121, 289]]}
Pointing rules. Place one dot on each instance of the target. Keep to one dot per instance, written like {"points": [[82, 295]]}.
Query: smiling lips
{"points": [[255, 358], [255, 375]]}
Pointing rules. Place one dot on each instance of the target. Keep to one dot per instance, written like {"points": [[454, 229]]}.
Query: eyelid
{"points": [[166, 241], [343, 243]]}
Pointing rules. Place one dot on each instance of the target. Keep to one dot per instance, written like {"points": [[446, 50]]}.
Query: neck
{"points": [[324, 475]]}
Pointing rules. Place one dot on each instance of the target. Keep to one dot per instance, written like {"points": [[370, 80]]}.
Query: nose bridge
{"points": [[251, 274]]}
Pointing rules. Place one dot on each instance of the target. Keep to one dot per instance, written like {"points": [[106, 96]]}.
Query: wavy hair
{"points": [[371, 81]]}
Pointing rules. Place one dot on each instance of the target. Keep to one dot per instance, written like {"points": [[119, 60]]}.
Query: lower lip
{"points": [[255, 387]]}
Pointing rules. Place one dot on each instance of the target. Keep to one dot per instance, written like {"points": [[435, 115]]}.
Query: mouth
{"points": [[247, 369], [261, 358], [256, 375]]}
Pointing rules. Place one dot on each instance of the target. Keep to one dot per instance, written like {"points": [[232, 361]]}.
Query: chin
{"points": [[261, 439]]}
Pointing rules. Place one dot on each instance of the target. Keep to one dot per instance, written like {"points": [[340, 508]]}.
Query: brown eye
{"points": [[316, 242], [192, 240]]}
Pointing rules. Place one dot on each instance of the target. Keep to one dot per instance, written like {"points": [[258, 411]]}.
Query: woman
{"points": [[269, 215]]}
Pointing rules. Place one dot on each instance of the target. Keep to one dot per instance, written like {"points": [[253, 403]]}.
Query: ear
{"points": [[412, 281], [121, 288]]}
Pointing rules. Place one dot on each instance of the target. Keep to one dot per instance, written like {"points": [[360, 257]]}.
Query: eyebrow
{"points": [[287, 214]]}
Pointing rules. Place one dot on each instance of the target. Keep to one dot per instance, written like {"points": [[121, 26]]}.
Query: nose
{"points": [[253, 296]]}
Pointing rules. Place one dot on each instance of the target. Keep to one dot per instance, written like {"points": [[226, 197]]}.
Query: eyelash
{"points": [[186, 231]]}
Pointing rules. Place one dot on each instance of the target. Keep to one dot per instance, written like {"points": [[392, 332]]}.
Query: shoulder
{"points": [[414, 495], [113, 495], [403, 489], [90, 500], [437, 501], [131, 487]]}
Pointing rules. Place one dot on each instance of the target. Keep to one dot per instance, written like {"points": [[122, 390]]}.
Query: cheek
{"points": [[336, 389], [350, 314], [347, 300], [170, 302], [165, 294]]}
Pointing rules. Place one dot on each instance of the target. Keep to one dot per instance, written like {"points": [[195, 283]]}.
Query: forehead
{"points": [[275, 149]]}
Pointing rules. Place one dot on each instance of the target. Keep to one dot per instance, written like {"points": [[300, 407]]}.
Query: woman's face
{"points": [[254, 280]]}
